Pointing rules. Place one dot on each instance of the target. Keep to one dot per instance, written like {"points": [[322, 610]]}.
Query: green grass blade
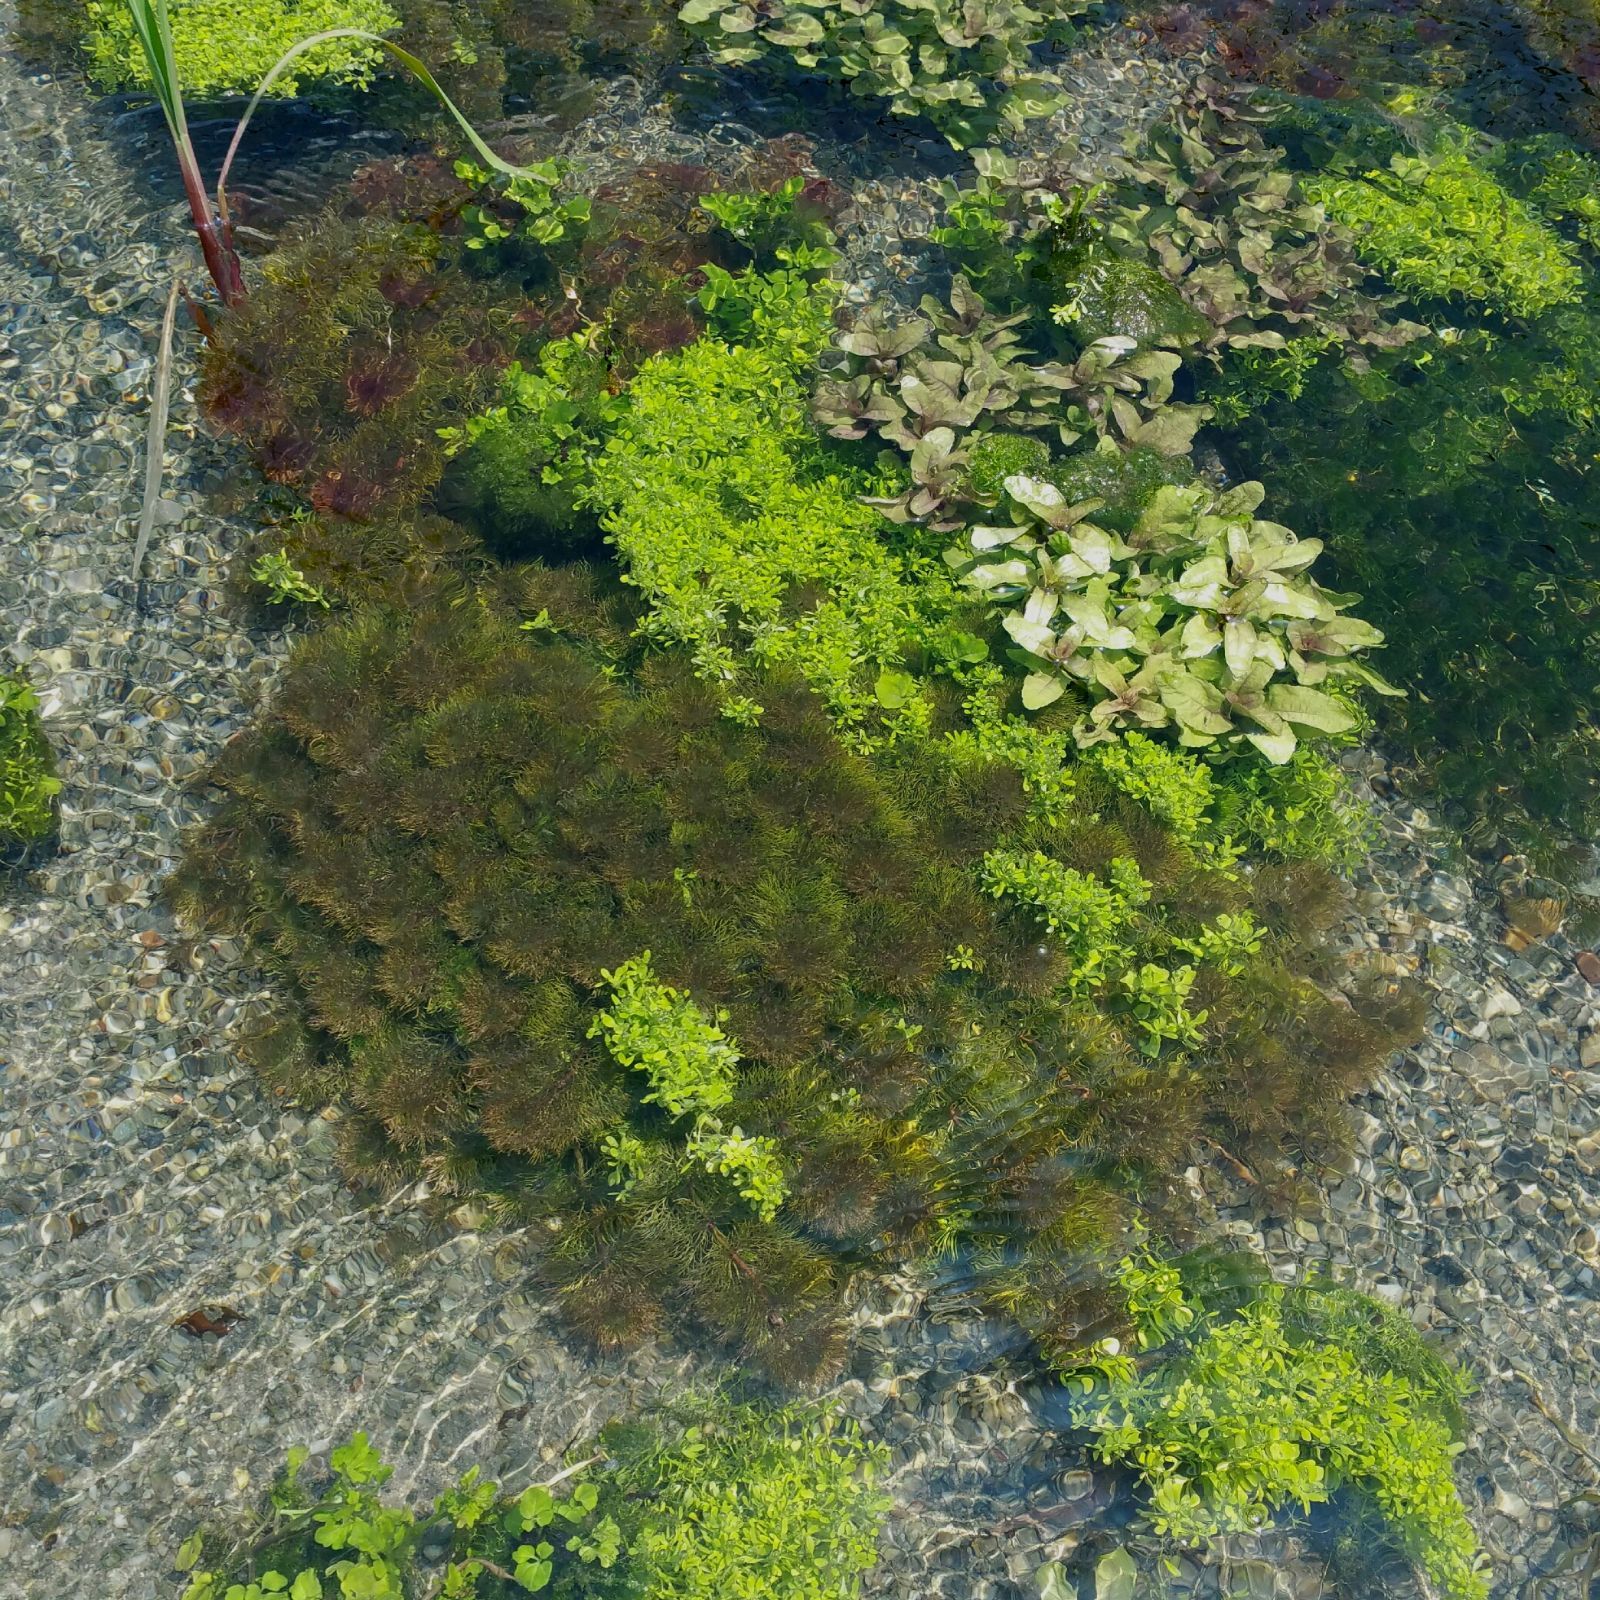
{"points": [[153, 30]]}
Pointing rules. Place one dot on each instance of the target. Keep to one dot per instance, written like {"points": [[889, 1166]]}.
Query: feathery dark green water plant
{"points": [[724, 1001]]}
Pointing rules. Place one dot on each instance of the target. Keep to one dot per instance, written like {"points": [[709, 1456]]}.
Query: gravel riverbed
{"points": [[144, 1178]]}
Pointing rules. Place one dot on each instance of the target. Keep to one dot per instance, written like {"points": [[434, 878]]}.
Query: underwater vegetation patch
{"points": [[1460, 496], [28, 784], [1235, 1405], [967, 65], [722, 1002], [417, 321], [1453, 481], [1440, 226], [707, 1500], [229, 46]]}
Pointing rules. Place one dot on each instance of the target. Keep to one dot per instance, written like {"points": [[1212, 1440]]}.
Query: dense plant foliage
{"points": [[1244, 243], [833, 1017], [1560, 181], [711, 1501], [967, 65], [1459, 496], [936, 384], [223, 47], [1201, 619], [440, 317], [1277, 1405], [1440, 226], [28, 784], [362, 342]]}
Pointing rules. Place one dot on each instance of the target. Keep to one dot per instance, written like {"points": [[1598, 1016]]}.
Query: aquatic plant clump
{"points": [[225, 47], [363, 340], [937, 384], [1202, 619], [1246, 243], [1441, 227], [1458, 497], [1298, 1395], [28, 784], [967, 65], [709, 1501], [724, 1001], [563, 823]]}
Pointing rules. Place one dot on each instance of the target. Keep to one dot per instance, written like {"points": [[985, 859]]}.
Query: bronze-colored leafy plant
{"points": [[967, 65], [1227, 225], [929, 384]]}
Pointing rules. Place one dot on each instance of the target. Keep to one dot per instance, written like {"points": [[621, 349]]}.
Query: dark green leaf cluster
{"points": [[709, 1501], [28, 784], [966, 65], [1458, 495]]}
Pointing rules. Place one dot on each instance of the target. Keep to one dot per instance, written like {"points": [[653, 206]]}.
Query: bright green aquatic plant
{"points": [[968, 67], [755, 1504], [284, 582], [655, 1029], [221, 48], [546, 216], [524, 462], [1439, 226], [1559, 180], [28, 784], [710, 1500], [1202, 619], [719, 505], [1301, 810], [1275, 1407]]}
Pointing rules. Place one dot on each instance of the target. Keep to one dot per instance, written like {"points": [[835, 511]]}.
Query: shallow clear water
{"points": [[144, 1176]]}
